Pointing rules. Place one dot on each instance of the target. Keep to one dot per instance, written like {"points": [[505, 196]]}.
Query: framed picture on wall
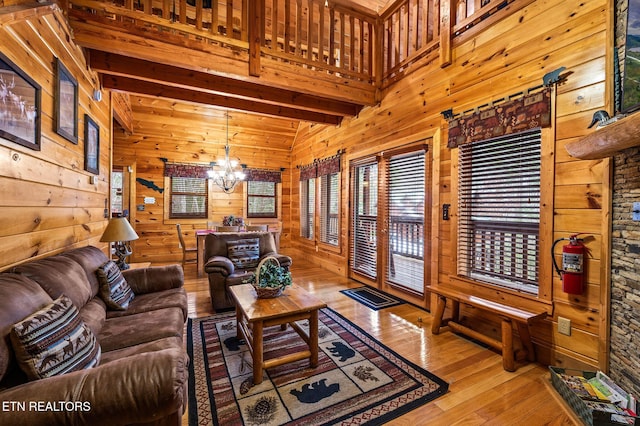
{"points": [[19, 106], [91, 145], [66, 104]]}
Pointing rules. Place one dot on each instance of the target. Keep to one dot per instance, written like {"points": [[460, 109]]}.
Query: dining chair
{"points": [[189, 254]]}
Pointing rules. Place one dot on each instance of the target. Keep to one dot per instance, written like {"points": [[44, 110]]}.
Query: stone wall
{"points": [[624, 363]]}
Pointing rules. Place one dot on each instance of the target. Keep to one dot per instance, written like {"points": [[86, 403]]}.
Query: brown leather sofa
{"points": [[221, 270], [143, 370]]}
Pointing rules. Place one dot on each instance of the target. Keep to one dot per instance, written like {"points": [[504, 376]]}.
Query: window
{"points": [[329, 201], [499, 205], [307, 207], [188, 198], [261, 199], [117, 185]]}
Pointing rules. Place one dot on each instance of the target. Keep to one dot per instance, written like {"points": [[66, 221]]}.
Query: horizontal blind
{"points": [[261, 199], [329, 223], [307, 207], [405, 210], [364, 236], [188, 197], [499, 203]]}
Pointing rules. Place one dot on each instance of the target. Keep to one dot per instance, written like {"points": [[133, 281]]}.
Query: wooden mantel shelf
{"points": [[609, 140]]}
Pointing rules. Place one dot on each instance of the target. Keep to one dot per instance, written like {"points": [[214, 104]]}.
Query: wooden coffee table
{"points": [[253, 315]]}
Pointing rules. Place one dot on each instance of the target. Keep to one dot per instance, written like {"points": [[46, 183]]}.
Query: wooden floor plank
{"points": [[481, 392]]}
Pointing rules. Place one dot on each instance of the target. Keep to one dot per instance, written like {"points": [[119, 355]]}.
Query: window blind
{"points": [[307, 207], [188, 197], [364, 252], [261, 199], [499, 210], [405, 212], [329, 220]]}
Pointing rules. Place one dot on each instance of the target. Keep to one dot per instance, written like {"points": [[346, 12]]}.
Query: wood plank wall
{"points": [[509, 57], [47, 201], [194, 133]]}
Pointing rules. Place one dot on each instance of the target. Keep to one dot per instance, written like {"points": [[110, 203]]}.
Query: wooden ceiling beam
{"points": [[120, 65], [143, 87]]}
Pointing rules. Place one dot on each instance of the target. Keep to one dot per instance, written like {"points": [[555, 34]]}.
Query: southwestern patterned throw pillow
{"points": [[244, 254], [114, 289], [54, 341]]}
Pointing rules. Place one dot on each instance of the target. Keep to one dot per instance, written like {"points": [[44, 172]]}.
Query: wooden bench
{"points": [[508, 314]]}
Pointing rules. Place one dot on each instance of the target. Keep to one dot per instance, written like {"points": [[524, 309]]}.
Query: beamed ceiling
{"points": [[143, 64]]}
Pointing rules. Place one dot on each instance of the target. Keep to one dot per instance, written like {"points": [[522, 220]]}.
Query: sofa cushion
{"points": [[53, 341], [114, 289], [244, 253], [20, 297], [59, 275], [89, 258], [132, 330], [172, 298]]}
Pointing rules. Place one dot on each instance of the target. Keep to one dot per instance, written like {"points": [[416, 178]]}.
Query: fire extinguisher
{"points": [[572, 270]]}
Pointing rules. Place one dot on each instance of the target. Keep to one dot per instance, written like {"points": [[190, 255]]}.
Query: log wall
{"points": [[195, 134], [48, 202], [511, 56]]}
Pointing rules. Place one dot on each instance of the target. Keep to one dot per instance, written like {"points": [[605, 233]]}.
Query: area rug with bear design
{"points": [[358, 380]]}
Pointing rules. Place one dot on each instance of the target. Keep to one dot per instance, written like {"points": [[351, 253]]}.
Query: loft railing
{"points": [[410, 30], [326, 36], [321, 36]]}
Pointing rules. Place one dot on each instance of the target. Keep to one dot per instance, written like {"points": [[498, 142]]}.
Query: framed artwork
{"points": [[19, 106], [630, 85], [66, 104], [91, 145]]}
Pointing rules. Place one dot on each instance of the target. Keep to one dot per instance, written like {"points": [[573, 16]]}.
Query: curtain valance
{"points": [[322, 167], [186, 170], [514, 116], [259, 175], [329, 165], [309, 171]]}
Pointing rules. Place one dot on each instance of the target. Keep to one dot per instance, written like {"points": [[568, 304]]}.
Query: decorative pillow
{"points": [[244, 254], [114, 289], [54, 341]]}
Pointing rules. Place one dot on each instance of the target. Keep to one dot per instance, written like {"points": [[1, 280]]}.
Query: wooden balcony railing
{"points": [[332, 37]]}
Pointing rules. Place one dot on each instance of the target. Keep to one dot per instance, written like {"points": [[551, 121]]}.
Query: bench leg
{"points": [[525, 338], [437, 316], [508, 360]]}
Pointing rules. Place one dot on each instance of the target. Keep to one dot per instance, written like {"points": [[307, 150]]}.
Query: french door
{"points": [[389, 202]]}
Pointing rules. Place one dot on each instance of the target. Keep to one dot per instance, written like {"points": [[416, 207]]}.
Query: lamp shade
{"points": [[119, 229]]}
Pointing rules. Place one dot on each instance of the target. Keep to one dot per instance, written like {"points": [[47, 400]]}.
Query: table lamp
{"points": [[120, 232]]}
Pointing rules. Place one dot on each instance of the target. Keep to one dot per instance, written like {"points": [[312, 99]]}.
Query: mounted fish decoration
{"points": [[149, 184]]}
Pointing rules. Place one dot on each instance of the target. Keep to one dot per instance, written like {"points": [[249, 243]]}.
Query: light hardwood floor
{"points": [[480, 391]]}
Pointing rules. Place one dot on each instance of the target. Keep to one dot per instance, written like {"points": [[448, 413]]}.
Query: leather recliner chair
{"points": [[222, 271]]}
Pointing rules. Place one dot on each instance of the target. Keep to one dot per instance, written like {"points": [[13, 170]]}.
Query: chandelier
{"points": [[224, 172]]}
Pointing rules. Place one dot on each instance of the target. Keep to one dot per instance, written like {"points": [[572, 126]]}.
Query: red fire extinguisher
{"points": [[572, 270]]}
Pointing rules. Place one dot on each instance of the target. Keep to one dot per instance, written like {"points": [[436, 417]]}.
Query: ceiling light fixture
{"points": [[224, 172]]}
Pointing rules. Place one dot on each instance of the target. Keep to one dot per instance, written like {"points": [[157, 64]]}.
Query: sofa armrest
{"points": [[284, 260], [141, 388], [219, 264], [155, 278]]}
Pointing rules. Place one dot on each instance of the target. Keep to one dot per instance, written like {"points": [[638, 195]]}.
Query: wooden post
{"points": [[256, 9], [445, 33]]}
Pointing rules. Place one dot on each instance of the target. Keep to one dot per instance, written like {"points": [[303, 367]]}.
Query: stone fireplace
{"points": [[624, 361]]}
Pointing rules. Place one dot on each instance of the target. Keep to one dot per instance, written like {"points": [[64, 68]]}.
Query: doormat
{"points": [[358, 380], [375, 299]]}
